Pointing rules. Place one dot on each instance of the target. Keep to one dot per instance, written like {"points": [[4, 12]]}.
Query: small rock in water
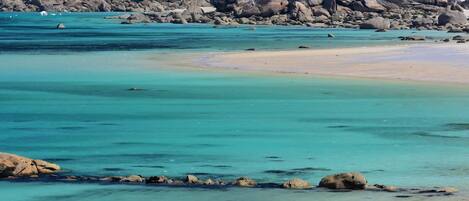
{"points": [[134, 89], [413, 38], [157, 180], [381, 30], [251, 49], [191, 179], [61, 26], [209, 182], [303, 47], [133, 179], [296, 184], [351, 180], [329, 35], [245, 182]]}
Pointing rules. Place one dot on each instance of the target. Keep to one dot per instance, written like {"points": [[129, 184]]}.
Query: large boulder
{"points": [[352, 181], [452, 17], [248, 8], [376, 23], [16, 166], [373, 6], [301, 13], [296, 184]]}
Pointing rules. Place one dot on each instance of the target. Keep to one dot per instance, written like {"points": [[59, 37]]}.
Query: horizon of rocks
{"points": [[365, 14]]}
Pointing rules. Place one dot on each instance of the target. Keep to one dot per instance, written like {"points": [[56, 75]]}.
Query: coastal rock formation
{"points": [[296, 184], [367, 14], [16, 166], [352, 180], [452, 17]]}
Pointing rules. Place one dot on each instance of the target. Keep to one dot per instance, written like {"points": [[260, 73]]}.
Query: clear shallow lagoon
{"points": [[64, 98]]}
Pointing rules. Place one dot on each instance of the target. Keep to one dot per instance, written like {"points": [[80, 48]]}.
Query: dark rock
{"points": [[251, 49], [381, 30], [60, 26], [329, 35], [413, 38], [452, 17], [352, 181], [303, 47], [157, 180]]}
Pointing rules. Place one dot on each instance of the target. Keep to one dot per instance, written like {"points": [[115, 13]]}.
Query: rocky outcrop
{"points": [[16, 166], [452, 17], [352, 181]]}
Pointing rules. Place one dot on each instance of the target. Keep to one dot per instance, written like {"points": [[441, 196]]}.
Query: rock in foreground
{"points": [[17, 166], [352, 181]]}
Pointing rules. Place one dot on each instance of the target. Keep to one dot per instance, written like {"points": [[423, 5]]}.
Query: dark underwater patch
{"points": [[426, 134], [113, 169], [217, 166], [457, 126], [149, 166], [296, 171], [71, 128]]}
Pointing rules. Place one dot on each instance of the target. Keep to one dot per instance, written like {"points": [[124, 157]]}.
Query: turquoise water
{"points": [[61, 102]]}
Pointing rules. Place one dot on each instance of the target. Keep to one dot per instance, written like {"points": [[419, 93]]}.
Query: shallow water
{"points": [[62, 103]]}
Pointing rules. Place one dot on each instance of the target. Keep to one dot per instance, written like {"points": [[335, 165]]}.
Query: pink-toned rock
{"points": [[351, 180], [17, 166]]}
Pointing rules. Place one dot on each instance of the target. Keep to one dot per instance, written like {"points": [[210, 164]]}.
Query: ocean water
{"points": [[64, 98]]}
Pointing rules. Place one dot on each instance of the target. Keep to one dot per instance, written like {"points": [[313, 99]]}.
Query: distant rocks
{"points": [[352, 181], [296, 184], [17, 166]]}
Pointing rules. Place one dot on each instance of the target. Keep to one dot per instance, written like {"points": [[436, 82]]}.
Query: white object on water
{"points": [[53, 14], [43, 13]]}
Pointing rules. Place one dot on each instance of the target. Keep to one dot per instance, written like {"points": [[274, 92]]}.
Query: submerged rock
{"points": [[245, 182], [352, 181], [296, 184], [61, 26], [17, 166]]}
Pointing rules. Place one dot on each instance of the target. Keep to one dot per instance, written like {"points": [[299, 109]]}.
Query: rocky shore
{"points": [[21, 169], [366, 14]]}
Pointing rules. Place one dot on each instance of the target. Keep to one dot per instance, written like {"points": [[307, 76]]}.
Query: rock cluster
{"points": [[14, 167], [367, 14]]}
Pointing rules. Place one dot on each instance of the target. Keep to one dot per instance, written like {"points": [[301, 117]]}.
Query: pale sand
{"points": [[447, 63]]}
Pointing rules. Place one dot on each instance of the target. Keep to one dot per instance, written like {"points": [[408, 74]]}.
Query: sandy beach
{"points": [[443, 63]]}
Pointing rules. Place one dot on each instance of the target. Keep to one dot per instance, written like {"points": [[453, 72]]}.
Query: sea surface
{"points": [[64, 98]]}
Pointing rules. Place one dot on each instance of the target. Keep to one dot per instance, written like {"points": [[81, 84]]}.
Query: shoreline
{"points": [[441, 64]]}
